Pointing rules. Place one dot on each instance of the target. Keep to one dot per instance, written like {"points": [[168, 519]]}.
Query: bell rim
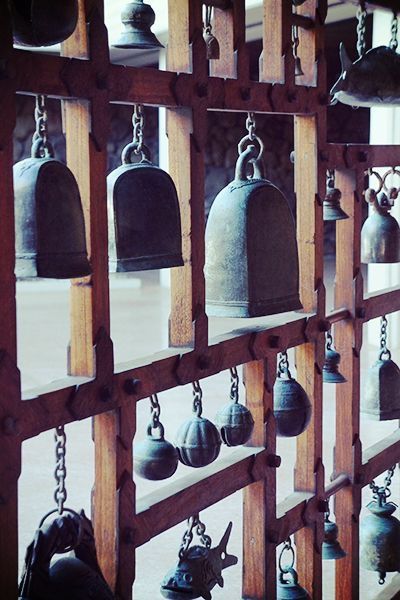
{"points": [[338, 377], [249, 309], [163, 261]]}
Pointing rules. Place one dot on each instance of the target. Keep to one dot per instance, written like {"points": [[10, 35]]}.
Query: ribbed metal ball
{"points": [[197, 442], [235, 424]]}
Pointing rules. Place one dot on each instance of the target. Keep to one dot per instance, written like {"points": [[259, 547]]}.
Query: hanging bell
{"points": [[380, 538], [212, 45], [155, 458], [332, 211], [380, 234], [292, 407], [137, 18], [289, 587], [234, 421], [298, 71], [381, 400], [144, 223], [331, 549], [330, 370], [42, 22], [251, 265]]}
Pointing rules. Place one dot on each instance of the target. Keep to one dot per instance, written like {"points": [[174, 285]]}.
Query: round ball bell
{"points": [[42, 22], [330, 370], [155, 458], [289, 588], [292, 407], [235, 424], [198, 442], [331, 549]]}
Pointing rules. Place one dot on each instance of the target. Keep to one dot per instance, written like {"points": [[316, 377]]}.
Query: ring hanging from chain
{"points": [[283, 363], [371, 172], [383, 492], [329, 340], [194, 523], [287, 548]]}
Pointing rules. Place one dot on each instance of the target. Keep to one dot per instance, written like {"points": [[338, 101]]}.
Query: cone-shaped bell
{"points": [[331, 205], [288, 587], [42, 22], [292, 407], [331, 549], [330, 370], [380, 234], [137, 18], [144, 224], [380, 539], [251, 251], [298, 71], [212, 45], [381, 400], [49, 224]]}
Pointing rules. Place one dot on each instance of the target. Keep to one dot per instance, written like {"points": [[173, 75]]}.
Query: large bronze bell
{"points": [[49, 224], [332, 211], [292, 407], [331, 549], [43, 22], [234, 421], [251, 264], [330, 370], [380, 234], [137, 18]]}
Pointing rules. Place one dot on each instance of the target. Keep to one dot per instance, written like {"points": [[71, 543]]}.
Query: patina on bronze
{"points": [[332, 210], [330, 370], [234, 421], [137, 18], [212, 44], [49, 224], [144, 224], [288, 587], [292, 407], [331, 549], [43, 22], [380, 234], [251, 266]]}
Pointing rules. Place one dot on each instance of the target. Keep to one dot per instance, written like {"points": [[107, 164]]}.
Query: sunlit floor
{"points": [[139, 318]]}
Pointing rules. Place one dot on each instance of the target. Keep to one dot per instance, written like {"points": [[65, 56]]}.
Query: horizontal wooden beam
{"points": [[350, 156], [380, 457], [382, 303]]}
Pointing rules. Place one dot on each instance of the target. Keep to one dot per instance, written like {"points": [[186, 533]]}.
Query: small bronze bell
{"points": [[380, 537], [251, 264], [212, 45], [288, 587], [234, 421], [197, 441], [137, 18], [154, 457], [298, 71], [380, 234], [331, 549], [49, 225], [331, 205], [144, 224], [292, 407], [381, 400], [330, 370], [42, 22]]}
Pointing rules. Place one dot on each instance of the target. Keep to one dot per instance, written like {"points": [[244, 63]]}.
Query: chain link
{"points": [[287, 548], [207, 22], [194, 523], [329, 340], [283, 364], [394, 27], [383, 492], [383, 339], [138, 127], [251, 126], [60, 472], [41, 132], [295, 40], [361, 18], [330, 178], [197, 398], [155, 411], [234, 393]]}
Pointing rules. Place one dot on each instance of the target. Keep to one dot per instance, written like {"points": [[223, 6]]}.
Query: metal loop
{"points": [[234, 392], [361, 18], [251, 126], [330, 178], [283, 365], [329, 340], [394, 28], [80, 527], [60, 472], [155, 411], [295, 40], [197, 398], [371, 172], [391, 171], [193, 522], [40, 144], [247, 141], [132, 148], [383, 492], [287, 547]]}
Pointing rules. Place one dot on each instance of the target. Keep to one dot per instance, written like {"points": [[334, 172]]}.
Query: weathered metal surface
{"points": [[198, 442], [235, 424], [332, 211], [292, 407], [331, 548], [380, 234], [137, 18], [381, 399], [43, 22], [330, 369], [155, 458], [289, 587]]}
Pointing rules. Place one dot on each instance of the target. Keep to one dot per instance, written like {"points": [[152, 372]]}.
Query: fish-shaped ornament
{"points": [[198, 571], [372, 80]]}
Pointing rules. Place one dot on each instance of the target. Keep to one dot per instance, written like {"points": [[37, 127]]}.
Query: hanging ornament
{"points": [[374, 78], [330, 370], [331, 205], [76, 576], [199, 567], [298, 71], [381, 400], [234, 421], [144, 223], [288, 581], [380, 234], [292, 407], [49, 225], [137, 18], [331, 549], [380, 533], [155, 458], [212, 45], [197, 440], [42, 22], [251, 265]]}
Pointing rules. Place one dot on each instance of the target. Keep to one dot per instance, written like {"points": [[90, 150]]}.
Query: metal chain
{"points": [[361, 18], [155, 411], [295, 40], [287, 547], [329, 340], [207, 23], [251, 126], [283, 364], [383, 337], [192, 523], [234, 393], [383, 492], [393, 40], [41, 132], [197, 398], [330, 178], [138, 127], [60, 472]]}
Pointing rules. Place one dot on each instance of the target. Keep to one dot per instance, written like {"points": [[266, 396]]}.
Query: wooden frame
{"points": [[86, 81]]}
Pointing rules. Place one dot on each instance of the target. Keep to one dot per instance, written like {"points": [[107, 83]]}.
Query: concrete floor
{"points": [[139, 318]]}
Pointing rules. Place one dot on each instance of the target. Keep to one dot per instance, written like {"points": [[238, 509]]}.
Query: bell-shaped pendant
{"points": [[197, 441], [298, 71], [137, 18], [332, 211], [155, 458], [289, 587], [212, 45], [380, 234], [251, 264], [234, 421], [380, 538], [292, 407], [144, 224], [44, 22], [330, 370], [331, 549]]}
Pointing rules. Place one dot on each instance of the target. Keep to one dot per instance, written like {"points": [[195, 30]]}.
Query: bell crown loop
{"points": [[288, 568], [77, 516]]}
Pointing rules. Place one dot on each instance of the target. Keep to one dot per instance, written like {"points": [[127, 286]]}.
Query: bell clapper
{"points": [[212, 45]]}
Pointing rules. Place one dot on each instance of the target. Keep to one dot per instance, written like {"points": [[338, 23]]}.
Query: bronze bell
{"points": [[330, 370], [212, 45], [49, 224], [331, 549], [289, 587], [380, 234], [42, 22], [251, 265], [332, 211], [144, 221], [380, 538], [298, 71], [137, 18], [292, 407], [155, 458], [381, 400], [234, 421]]}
